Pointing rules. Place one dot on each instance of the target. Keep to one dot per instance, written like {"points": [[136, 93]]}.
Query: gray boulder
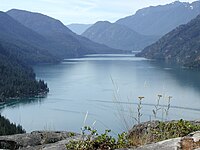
{"points": [[38, 140]]}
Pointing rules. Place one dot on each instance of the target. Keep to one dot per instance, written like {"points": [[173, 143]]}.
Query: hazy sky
{"points": [[82, 11]]}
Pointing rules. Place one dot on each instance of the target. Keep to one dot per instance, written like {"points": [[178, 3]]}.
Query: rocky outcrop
{"points": [[190, 142], [38, 140], [146, 135], [49, 140], [155, 131]]}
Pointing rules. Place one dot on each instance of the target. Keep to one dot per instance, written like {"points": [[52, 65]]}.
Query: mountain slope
{"points": [[181, 45], [63, 42], [16, 79], [22, 41], [118, 36], [159, 20], [78, 28]]}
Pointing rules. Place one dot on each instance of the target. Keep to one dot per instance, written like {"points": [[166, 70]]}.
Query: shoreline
{"points": [[10, 99]]}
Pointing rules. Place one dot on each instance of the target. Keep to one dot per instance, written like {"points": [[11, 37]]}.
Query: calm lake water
{"points": [[107, 87]]}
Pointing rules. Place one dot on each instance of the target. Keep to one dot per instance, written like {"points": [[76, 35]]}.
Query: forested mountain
{"points": [[78, 28], [181, 45], [62, 42], [159, 20], [17, 79], [22, 42], [118, 36], [19, 48], [8, 128]]}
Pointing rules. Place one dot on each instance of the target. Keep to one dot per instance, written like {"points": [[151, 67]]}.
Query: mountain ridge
{"points": [[149, 20], [25, 42], [63, 41], [181, 45], [118, 36]]}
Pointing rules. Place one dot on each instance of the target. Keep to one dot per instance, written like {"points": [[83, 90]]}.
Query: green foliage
{"points": [[168, 130], [93, 141], [156, 131], [7, 128], [71, 134]]}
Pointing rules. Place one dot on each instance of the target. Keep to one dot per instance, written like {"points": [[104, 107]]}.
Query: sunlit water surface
{"points": [[107, 87]]}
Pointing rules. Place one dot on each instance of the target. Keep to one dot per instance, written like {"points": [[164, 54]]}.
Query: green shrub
{"points": [[173, 129], [94, 141]]}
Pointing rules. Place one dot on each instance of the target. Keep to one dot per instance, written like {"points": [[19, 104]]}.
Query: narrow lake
{"points": [[107, 87]]}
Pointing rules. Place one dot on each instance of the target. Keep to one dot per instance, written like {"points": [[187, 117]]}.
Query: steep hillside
{"points": [[17, 79], [118, 36], [63, 42], [22, 42], [181, 45], [8, 128], [159, 20]]}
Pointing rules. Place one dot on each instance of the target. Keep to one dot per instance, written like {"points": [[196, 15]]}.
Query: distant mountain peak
{"points": [[159, 20], [39, 22], [14, 10], [176, 2], [117, 36], [105, 22]]}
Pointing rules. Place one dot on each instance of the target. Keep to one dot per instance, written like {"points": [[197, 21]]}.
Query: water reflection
{"points": [[185, 76], [13, 103], [78, 86]]}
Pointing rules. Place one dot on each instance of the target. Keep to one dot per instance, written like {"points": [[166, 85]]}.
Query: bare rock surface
{"points": [[38, 140]]}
